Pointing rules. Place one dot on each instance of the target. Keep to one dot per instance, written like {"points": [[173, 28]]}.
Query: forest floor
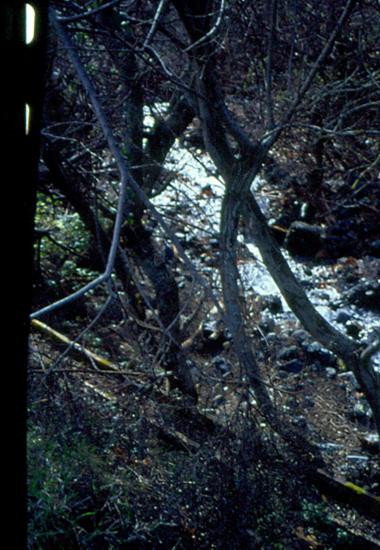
{"points": [[133, 450]]}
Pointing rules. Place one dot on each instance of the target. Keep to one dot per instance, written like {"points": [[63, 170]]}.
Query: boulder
{"points": [[303, 239], [365, 294]]}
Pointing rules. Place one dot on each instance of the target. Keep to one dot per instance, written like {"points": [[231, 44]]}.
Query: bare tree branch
{"points": [[160, 10], [213, 29], [269, 67], [127, 180], [89, 13]]}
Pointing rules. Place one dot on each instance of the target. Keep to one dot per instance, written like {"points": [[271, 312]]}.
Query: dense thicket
{"points": [[284, 89]]}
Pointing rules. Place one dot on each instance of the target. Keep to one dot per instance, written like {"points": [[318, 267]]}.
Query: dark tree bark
{"points": [[238, 199]]}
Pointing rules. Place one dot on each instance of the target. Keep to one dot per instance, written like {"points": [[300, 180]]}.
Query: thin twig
{"points": [[269, 67], [84, 15], [213, 29]]}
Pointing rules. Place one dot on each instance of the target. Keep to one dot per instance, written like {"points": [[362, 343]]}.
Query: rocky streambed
{"points": [[324, 398]]}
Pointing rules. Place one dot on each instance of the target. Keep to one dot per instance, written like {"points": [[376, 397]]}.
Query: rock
{"points": [[300, 335], [331, 373], [365, 294], [291, 352], [272, 303], [317, 353], [222, 365], [303, 239], [350, 377], [271, 337], [370, 442], [343, 317], [353, 329], [361, 413], [292, 367]]}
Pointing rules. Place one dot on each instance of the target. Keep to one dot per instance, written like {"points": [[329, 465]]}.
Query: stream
{"points": [[193, 200]]}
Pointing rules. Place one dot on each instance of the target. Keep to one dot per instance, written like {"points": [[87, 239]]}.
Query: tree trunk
{"points": [[232, 301], [350, 352], [138, 240]]}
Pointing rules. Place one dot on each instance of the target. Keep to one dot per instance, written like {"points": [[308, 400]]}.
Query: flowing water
{"points": [[193, 200]]}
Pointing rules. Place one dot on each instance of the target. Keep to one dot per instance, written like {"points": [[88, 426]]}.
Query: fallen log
{"points": [[347, 492]]}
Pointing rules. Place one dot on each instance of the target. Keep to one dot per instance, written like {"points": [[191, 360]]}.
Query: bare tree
{"points": [[218, 129], [176, 52]]}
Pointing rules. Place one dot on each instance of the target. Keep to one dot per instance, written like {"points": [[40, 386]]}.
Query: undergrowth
{"points": [[100, 476]]}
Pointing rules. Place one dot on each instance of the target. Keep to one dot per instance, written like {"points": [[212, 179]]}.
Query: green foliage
{"points": [[65, 225], [73, 501], [66, 242], [315, 513]]}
